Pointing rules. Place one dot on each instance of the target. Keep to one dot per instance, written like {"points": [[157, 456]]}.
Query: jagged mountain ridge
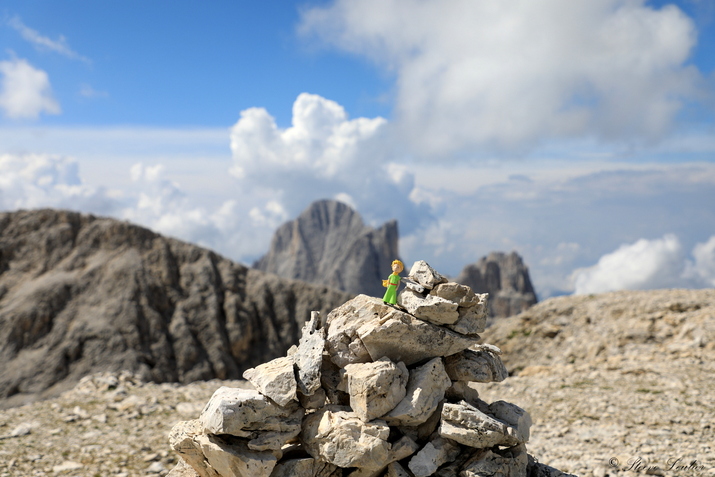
{"points": [[506, 278], [82, 294], [329, 244]]}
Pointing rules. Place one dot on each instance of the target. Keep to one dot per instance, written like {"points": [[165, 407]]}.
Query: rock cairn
{"points": [[372, 391]]}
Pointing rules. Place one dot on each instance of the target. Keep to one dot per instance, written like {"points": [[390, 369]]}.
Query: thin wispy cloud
{"points": [[42, 42]]}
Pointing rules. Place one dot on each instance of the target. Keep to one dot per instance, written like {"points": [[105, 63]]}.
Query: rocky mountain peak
{"points": [[82, 294], [329, 244], [506, 278]]}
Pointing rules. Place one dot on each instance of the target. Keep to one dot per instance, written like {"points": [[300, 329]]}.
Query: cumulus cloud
{"points": [[645, 264], [26, 91], [42, 42], [510, 74], [323, 154], [37, 180], [650, 264]]}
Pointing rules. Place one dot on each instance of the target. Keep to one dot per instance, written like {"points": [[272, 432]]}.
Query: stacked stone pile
{"points": [[373, 390]]}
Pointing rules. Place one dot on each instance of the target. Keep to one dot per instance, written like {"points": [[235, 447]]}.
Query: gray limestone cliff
{"points": [[505, 278], [329, 244], [81, 294]]}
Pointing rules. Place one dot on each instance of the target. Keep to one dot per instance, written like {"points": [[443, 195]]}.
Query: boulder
{"points": [[233, 458], [437, 452], [275, 379], [425, 275], [471, 427], [511, 462], [340, 437], [248, 413], [376, 388], [425, 391], [430, 308], [477, 364]]}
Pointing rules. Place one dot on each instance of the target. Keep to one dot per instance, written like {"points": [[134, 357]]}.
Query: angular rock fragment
{"points": [[479, 365], [247, 413], [437, 452], [463, 391], [376, 388], [514, 416], [306, 467], [425, 275], [314, 401], [341, 438], [396, 470], [182, 469], [342, 341], [182, 438], [275, 379], [401, 449], [235, 459], [511, 462], [472, 320], [462, 295], [425, 390], [471, 427], [402, 337], [309, 355], [429, 308]]}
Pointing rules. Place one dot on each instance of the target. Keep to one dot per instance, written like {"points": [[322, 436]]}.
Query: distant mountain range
{"points": [[329, 244], [81, 294]]}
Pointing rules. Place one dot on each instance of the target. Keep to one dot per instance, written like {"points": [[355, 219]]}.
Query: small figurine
{"points": [[392, 283]]}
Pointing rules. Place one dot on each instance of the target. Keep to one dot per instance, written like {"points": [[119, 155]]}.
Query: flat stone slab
{"points": [[365, 329], [249, 414], [471, 427], [430, 308]]}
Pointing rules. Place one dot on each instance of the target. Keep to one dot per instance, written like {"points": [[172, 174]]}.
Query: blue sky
{"points": [[578, 133]]}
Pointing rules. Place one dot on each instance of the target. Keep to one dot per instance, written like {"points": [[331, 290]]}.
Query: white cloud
{"points": [[703, 267], [511, 74], [44, 43], [38, 180], [645, 264], [26, 91], [322, 154]]}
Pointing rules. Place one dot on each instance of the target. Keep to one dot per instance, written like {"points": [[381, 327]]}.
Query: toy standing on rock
{"points": [[392, 283]]}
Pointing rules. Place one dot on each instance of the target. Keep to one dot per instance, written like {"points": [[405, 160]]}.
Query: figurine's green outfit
{"points": [[393, 281]]}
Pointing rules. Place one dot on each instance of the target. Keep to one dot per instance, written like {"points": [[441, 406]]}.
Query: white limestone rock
{"points": [[235, 459], [479, 364], [425, 275], [471, 427], [462, 295], [182, 469], [436, 453], [314, 401], [376, 388], [275, 379], [472, 320], [343, 439], [402, 337], [514, 416], [425, 391], [342, 341], [247, 413], [401, 449], [430, 308], [309, 355], [306, 467], [182, 438], [511, 462]]}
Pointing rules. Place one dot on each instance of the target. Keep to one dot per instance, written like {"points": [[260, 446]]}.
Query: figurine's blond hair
{"points": [[401, 265]]}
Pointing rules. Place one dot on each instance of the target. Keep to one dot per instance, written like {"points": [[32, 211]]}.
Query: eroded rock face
{"points": [[329, 245], [505, 278], [89, 294]]}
